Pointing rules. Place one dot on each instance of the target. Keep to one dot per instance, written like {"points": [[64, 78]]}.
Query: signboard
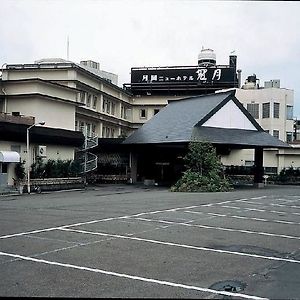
{"points": [[175, 78], [188, 75]]}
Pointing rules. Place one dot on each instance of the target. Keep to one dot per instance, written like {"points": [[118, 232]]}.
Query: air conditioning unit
{"points": [[42, 151]]}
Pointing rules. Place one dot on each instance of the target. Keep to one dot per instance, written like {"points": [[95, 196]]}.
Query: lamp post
{"points": [[28, 155]]}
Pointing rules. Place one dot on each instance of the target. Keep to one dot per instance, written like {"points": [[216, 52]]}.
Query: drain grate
{"points": [[233, 286]]}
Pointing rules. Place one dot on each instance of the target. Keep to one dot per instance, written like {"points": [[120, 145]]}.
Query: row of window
{"points": [[143, 112], [89, 99], [289, 135], [109, 107], [253, 109], [108, 132], [88, 129]]}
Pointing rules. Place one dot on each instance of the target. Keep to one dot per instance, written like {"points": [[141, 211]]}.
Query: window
{"points": [[289, 137], [103, 105], [93, 129], [76, 125], [266, 110], [113, 108], [82, 97], [112, 132], [107, 107], [253, 109], [88, 102], [81, 128], [94, 102], [3, 168], [276, 110], [142, 113], [156, 110], [276, 133], [289, 112], [88, 129]]}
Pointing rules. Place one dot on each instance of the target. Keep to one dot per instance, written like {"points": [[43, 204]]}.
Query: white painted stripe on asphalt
{"points": [[264, 210], [246, 218], [223, 229], [232, 207], [85, 223], [133, 277], [99, 220], [183, 245], [254, 209], [261, 197]]}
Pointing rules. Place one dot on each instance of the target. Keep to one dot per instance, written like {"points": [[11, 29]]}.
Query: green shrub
{"points": [[204, 171], [20, 170], [55, 168]]}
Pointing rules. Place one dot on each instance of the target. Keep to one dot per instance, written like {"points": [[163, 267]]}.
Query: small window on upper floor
{"points": [[276, 133], [143, 113], [113, 108], [289, 112], [266, 110], [88, 102], [289, 137], [94, 102], [276, 110], [253, 109], [82, 97]]}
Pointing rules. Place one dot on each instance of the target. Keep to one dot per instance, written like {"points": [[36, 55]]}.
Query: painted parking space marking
{"points": [[133, 277], [263, 210], [184, 245], [108, 219], [244, 217], [223, 229]]}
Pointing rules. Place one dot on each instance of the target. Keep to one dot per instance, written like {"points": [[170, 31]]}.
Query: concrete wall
{"points": [[56, 114]]}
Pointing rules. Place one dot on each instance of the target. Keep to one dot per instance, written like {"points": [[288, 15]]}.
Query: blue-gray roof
{"points": [[181, 120]]}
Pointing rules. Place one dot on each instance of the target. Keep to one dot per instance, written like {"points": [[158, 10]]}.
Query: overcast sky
{"points": [[121, 34]]}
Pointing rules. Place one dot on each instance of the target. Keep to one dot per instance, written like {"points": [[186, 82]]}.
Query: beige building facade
{"points": [[81, 97]]}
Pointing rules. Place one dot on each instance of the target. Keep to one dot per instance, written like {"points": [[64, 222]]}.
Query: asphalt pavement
{"points": [[125, 241]]}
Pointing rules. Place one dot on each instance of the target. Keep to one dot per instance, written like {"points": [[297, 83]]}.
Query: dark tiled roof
{"points": [[180, 121], [237, 137], [175, 122]]}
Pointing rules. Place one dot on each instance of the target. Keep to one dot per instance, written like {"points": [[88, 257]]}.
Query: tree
{"points": [[204, 170]]}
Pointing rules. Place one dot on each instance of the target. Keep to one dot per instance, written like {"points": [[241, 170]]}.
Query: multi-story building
{"points": [[69, 98], [272, 107], [72, 98]]}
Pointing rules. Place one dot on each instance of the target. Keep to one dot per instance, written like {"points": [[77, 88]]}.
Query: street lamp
{"points": [[28, 155]]}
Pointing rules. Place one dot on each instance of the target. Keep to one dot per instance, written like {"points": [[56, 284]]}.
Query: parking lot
{"points": [[126, 241]]}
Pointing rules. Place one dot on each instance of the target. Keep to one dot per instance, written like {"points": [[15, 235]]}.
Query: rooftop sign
{"points": [[178, 78]]}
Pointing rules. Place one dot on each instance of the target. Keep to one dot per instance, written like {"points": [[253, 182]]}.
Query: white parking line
{"points": [[183, 245], [223, 229], [133, 277], [243, 217]]}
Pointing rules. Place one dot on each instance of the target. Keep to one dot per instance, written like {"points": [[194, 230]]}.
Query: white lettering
{"points": [[153, 77], [217, 74], [201, 74], [145, 78]]}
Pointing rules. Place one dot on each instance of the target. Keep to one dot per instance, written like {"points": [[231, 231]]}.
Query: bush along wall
{"points": [[204, 170], [54, 169]]}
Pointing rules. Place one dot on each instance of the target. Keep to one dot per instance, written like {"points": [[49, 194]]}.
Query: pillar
{"points": [[258, 167]]}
